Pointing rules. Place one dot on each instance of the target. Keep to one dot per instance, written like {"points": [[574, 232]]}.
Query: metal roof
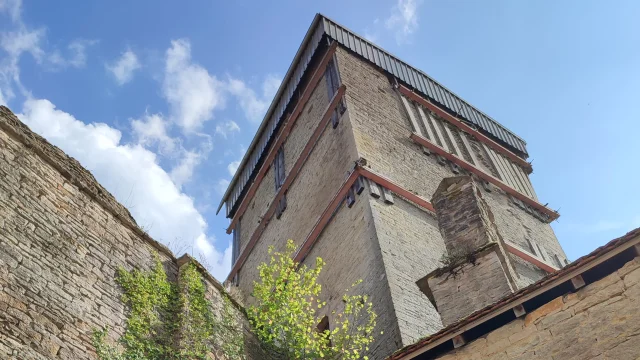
{"points": [[414, 78]]}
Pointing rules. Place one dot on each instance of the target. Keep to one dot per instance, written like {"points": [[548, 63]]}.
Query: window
{"points": [[324, 325], [235, 251], [278, 169], [333, 83]]}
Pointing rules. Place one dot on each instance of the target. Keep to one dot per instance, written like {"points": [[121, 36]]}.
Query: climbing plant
{"points": [[171, 321], [287, 313]]}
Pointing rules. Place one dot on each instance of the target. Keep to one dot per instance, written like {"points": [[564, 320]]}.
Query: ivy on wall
{"points": [[172, 321]]}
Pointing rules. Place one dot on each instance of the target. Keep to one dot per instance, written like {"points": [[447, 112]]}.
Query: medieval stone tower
{"points": [[372, 165]]}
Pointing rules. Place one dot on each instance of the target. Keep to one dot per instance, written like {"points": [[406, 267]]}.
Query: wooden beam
{"points": [[293, 173], [483, 175], [519, 310], [529, 258], [464, 127], [325, 217], [458, 341], [386, 183], [284, 132], [577, 282], [565, 276]]}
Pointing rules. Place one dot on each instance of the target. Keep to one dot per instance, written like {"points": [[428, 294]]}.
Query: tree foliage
{"points": [[171, 321], [289, 309]]}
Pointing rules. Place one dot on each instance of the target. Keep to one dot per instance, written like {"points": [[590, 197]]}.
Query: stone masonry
{"points": [[62, 239], [477, 271], [390, 246], [409, 238], [598, 322]]}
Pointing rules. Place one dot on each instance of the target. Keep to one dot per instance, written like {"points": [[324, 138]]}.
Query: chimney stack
{"points": [[476, 270]]}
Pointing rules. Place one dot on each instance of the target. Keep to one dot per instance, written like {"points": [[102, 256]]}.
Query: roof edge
{"points": [[579, 266], [274, 103]]}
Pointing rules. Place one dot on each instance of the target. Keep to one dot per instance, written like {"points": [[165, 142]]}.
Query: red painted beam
{"points": [[483, 175], [284, 133], [379, 179], [293, 174], [466, 128], [325, 217], [527, 257]]}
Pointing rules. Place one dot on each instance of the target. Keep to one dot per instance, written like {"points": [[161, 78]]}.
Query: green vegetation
{"points": [[169, 321], [286, 316]]}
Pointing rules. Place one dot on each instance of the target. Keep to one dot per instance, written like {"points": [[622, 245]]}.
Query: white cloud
{"points": [[77, 55], [123, 68], [221, 186], [233, 167], [15, 43], [404, 19], [226, 128], [78, 49], [132, 174], [254, 106], [151, 129], [23, 40], [12, 7], [182, 173], [192, 93]]}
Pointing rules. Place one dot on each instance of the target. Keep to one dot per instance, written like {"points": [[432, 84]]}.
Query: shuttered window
{"points": [[235, 253], [333, 83], [278, 169]]}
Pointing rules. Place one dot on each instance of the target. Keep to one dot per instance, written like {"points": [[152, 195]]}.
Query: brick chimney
{"points": [[476, 270]]}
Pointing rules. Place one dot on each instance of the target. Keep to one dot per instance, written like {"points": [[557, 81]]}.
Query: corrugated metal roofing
{"points": [[422, 83], [411, 76]]}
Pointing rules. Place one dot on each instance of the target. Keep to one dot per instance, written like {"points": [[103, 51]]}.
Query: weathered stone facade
{"points": [[64, 235], [62, 239], [389, 246], [600, 321]]}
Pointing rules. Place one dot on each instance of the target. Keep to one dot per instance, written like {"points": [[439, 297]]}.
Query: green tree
{"points": [[286, 315]]}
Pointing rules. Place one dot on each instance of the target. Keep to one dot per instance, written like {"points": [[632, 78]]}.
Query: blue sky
{"points": [[160, 100]]}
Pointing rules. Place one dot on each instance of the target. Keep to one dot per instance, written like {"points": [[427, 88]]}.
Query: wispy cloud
{"points": [[403, 19], [226, 128], [124, 67], [152, 129], [254, 106], [13, 8], [193, 94], [221, 186]]}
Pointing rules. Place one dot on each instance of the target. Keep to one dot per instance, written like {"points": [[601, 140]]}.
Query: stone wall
{"points": [[62, 239], [319, 179], [350, 248], [471, 286], [402, 226], [600, 321], [409, 238]]}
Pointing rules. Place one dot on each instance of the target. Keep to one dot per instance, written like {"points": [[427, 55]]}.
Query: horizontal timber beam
{"points": [[466, 128], [293, 173], [483, 175], [285, 131]]}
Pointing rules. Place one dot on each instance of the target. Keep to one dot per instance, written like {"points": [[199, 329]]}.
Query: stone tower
{"points": [[391, 178]]}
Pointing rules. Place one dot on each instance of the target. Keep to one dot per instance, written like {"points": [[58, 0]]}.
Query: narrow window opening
{"points": [[323, 326], [333, 83], [279, 171], [235, 253]]}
